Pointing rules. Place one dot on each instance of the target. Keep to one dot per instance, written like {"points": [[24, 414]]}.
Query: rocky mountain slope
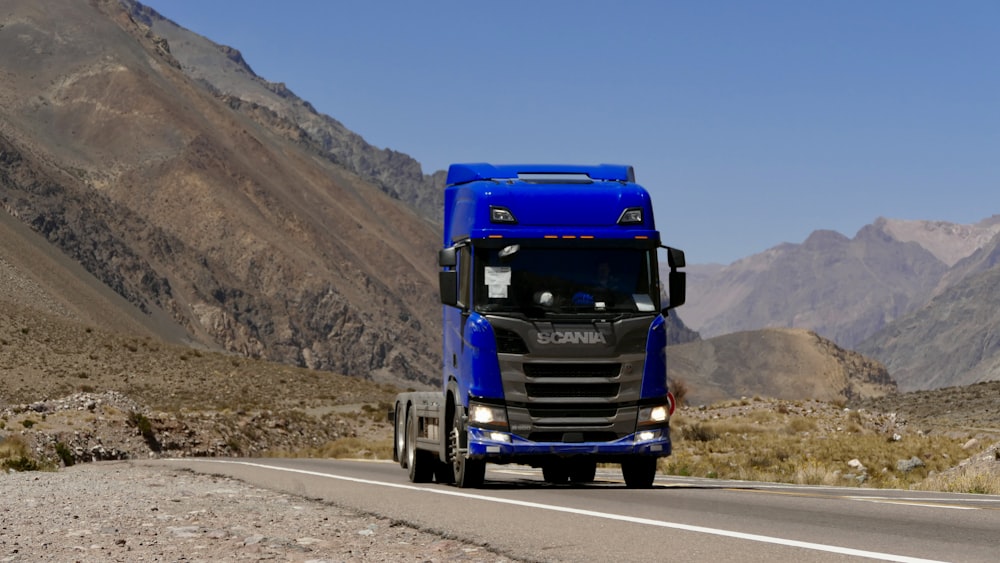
{"points": [[224, 71], [844, 289], [908, 293], [789, 364], [228, 222], [953, 340]]}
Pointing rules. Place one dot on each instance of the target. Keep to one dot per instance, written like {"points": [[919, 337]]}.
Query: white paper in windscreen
{"points": [[497, 279]]}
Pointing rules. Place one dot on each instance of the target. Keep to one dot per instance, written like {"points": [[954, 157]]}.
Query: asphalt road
{"points": [[680, 519]]}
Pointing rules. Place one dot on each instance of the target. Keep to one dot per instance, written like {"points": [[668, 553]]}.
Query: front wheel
{"points": [[468, 473], [582, 471], [556, 472], [639, 472]]}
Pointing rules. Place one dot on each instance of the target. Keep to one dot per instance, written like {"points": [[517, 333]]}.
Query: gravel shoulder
{"points": [[122, 511]]}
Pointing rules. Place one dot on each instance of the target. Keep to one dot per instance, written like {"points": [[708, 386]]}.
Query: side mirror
{"points": [[448, 287], [675, 258], [676, 281], [448, 257], [677, 286]]}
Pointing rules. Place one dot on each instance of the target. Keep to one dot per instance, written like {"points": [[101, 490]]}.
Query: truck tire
{"points": [[639, 472], [419, 462], [582, 471], [556, 472], [468, 473], [400, 435], [444, 473]]}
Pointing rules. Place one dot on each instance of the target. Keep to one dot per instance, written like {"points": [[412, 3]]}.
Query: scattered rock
{"points": [[906, 465]]}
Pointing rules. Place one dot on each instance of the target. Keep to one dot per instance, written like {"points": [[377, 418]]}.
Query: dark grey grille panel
{"points": [[608, 370], [553, 390], [569, 411], [509, 342]]}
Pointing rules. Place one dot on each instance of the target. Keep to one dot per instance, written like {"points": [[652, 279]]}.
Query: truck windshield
{"points": [[541, 282]]}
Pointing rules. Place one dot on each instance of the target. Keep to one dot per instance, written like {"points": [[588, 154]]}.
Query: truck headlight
{"points": [[655, 415], [487, 416]]}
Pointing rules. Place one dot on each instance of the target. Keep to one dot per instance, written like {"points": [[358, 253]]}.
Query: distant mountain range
{"points": [[953, 339], [901, 291]]}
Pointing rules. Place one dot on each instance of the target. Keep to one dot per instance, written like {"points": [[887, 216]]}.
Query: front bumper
{"points": [[504, 447]]}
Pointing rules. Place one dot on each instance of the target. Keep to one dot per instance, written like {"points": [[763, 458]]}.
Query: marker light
{"points": [[631, 216], [501, 215]]}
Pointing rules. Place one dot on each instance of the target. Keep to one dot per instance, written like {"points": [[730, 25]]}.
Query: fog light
{"points": [[646, 436], [500, 437]]}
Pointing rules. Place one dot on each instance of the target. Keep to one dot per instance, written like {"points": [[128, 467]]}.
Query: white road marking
{"points": [[594, 514], [904, 502]]}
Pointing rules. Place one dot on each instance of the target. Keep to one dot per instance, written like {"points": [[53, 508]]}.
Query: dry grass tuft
{"points": [[815, 443]]}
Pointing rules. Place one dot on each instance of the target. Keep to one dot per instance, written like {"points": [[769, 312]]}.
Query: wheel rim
{"points": [[401, 435], [456, 441], [411, 446]]}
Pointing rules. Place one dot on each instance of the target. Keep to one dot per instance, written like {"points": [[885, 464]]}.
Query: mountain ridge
{"points": [[876, 292], [107, 150], [224, 71], [843, 288]]}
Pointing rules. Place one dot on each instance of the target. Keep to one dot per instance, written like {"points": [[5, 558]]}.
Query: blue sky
{"points": [[751, 123]]}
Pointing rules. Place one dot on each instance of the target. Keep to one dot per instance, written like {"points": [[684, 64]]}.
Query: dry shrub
{"points": [[679, 389], [812, 448], [699, 432], [801, 424], [981, 483], [763, 416], [12, 447], [16, 455], [814, 473]]}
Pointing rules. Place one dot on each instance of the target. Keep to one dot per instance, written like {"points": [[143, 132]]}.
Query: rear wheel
{"points": [[468, 473], [639, 472], [419, 462]]}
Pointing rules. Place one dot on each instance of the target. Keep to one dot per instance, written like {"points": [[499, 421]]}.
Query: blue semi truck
{"points": [[554, 342]]}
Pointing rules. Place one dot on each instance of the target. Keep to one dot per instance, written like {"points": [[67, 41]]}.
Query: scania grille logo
{"points": [[571, 337]]}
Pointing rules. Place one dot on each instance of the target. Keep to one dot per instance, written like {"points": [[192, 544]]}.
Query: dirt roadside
{"points": [[124, 511]]}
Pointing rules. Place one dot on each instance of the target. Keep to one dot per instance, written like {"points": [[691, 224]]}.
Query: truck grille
{"points": [[552, 390], [607, 371], [561, 411]]}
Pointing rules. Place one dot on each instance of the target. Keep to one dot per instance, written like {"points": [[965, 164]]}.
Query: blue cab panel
{"points": [[546, 201]]}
